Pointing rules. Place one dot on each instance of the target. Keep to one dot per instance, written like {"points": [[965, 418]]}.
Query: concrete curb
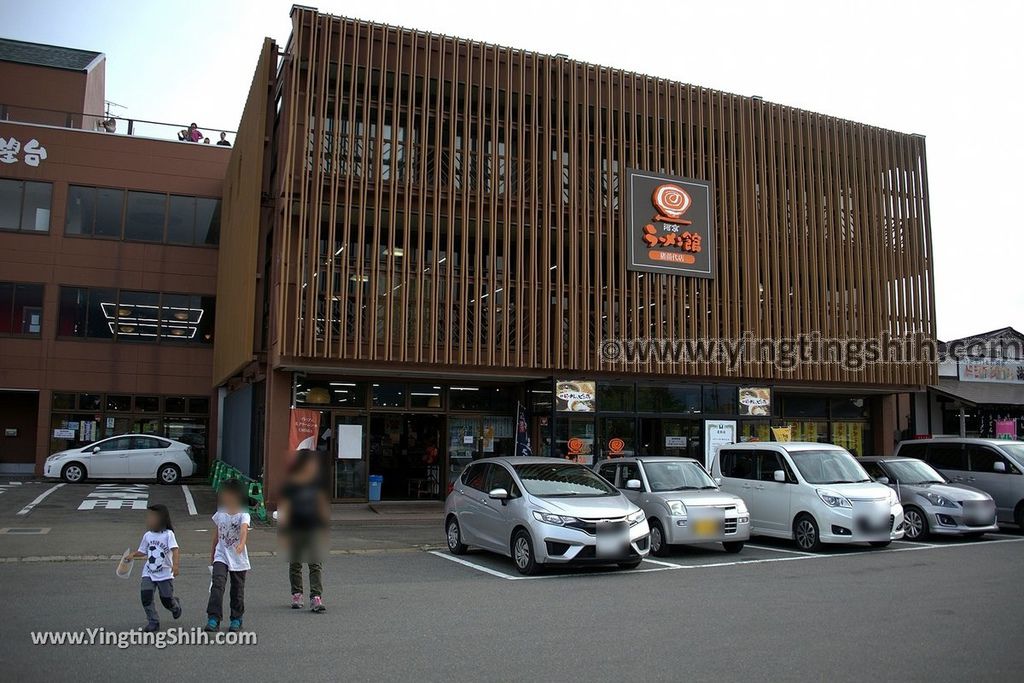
{"points": [[426, 547]]}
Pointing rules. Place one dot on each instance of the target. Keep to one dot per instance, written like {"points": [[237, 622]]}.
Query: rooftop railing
{"points": [[115, 125]]}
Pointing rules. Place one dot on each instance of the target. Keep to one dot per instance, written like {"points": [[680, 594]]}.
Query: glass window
{"points": [[558, 480], [912, 450], [804, 406], [81, 210], [119, 403], [207, 221], [138, 316], [828, 467], [109, 212], [874, 469], [501, 478], [739, 464], [147, 404], [207, 316], [678, 399], [89, 402], [669, 475], [475, 476], [480, 398], [607, 471], [181, 220], [21, 309], [627, 471], [770, 463], [144, 219], [616, 397], [123, 443], [424, 396], [618, 436], [25, 205], [389, 395], [63, 401], [35, 212], [848, 407], [141, 442], [983, 458], [946, 456], [199, 406], [719, 399], [174, 404]]}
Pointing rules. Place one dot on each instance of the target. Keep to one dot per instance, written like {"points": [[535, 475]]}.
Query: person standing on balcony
{"points": [[223, 142], [190, 134]]}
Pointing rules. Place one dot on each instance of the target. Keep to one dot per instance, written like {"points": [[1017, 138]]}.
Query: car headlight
{"points": [[676, 508], [893, 498], [741, 509], [833, 499], [937, 500], [550, 518], [636, 518]]}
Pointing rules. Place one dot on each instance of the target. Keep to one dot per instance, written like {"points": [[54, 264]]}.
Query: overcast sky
{"points": [[950, 71]]}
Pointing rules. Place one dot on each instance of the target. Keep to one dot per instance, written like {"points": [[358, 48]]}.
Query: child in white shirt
{"points": [[229, 556], [160, 548]]}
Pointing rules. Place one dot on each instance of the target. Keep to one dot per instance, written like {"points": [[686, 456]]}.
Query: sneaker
{"points": [[316, 604], [212, 624], [150, 627], [296, 600], [235, 626], [176, 612]]}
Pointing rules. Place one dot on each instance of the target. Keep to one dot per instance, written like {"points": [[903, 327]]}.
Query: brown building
{"points": [[422, 232], [108, 264]]}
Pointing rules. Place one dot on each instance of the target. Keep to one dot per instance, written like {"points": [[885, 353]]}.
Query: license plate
{"points": [[706, 527], [610, 541]]}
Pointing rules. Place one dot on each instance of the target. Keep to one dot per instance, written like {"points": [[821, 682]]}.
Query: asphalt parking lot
{"points": [[941, 610]]}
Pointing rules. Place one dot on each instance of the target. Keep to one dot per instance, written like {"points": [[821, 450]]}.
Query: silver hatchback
{"points": [[541, 511], [682, 502]]}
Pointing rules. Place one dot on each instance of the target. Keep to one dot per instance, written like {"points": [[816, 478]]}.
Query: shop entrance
{"points": [[682, 437], [406, 450]]}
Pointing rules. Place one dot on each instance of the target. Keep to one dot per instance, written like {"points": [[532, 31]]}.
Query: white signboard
{"points": [[1010, 372], [350, 442], [63, 433], [675, 442], [717, 433]]}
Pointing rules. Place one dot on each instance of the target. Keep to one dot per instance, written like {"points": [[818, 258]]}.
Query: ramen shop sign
{"points": [[670, 225]]}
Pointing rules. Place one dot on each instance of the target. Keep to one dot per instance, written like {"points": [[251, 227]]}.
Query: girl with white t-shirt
{"points": [[160, 548], [229, 556]]}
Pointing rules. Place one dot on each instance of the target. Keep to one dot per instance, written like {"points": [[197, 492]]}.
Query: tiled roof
{"points": [[53, 56]]}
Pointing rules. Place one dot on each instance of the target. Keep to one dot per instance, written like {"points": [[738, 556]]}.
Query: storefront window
{"points": [[618, 436], [616, 398], [63, 401], [485, 399], [90, 401], [803, 406], [175, 404], [425, 396], [388, 395], [147, 404], [673, 399], [119, 403], [848, 407], [720, 399], [809, 430], [574, 439], [853, 436], [751, 430]]}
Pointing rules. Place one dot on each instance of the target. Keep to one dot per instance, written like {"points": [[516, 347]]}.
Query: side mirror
{"points": [[718, 480], [780, 476], [883, 480], [999, 466], [498, 494], [94, 449], [633, 484]]}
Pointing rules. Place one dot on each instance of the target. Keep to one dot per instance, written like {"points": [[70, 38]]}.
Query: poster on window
{"points": [[303, 428], [350, 442], [717, 433], [755, 401], [575, 396]]}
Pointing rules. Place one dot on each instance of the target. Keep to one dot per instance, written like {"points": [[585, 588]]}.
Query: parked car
{"points": [[995, 466], [683, 504], [931, 503], [814, 493], [129, 456], [541, 511]]}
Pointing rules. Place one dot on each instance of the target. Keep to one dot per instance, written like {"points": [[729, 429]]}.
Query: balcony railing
{"points": [[104, 123]]}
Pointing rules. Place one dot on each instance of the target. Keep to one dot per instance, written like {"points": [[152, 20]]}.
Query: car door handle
{"points": [[746, 486], [759, 487]]}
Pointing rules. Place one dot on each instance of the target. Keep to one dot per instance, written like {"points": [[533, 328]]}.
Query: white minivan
{"points": [[814, 493]]}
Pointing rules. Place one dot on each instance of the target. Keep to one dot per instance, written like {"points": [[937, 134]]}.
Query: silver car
{"points": [[682, 502], [931, 503], [542, 511]]}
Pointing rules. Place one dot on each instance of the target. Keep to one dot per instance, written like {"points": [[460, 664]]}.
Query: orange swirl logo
{"points": [[575, 445], [672, 202], [616, 445]]}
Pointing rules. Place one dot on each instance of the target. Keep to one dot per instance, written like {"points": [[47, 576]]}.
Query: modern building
{"points": [[423, 232], [980, 389], [108, 265]]}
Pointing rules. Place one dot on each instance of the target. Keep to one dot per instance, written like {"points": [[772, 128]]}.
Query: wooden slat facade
{"points": [[450, 205]]}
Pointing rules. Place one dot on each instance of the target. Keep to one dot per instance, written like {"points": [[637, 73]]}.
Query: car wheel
{"points": [[658, 546], [633, 564], [168, 474], [915, 524], [73, 473], [732, 546], [879, 544], [453, 534], [805, 531], [1018, 515], [522, 553]]}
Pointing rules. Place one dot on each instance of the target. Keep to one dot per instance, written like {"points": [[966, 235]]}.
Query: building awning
{"points": [[981, 393]]}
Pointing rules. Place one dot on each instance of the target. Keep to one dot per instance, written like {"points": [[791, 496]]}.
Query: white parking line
{"points": [[189, 501], [42, 496], [668, 566], [776, 550]]}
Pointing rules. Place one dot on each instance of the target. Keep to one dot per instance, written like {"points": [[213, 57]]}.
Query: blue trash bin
{"points": [[376, 482]]}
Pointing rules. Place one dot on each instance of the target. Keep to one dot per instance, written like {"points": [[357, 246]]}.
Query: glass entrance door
{"points": [[682, 437], [405, 449], [347, 449]]}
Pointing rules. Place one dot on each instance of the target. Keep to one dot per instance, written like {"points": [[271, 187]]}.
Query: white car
{"points": [[814, 493], [129, 456]]}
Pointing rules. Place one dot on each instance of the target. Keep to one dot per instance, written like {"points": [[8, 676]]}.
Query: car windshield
{"points": [[1014, 449], [828, 467], [677, 476], [562, 480], [914, 472]]}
